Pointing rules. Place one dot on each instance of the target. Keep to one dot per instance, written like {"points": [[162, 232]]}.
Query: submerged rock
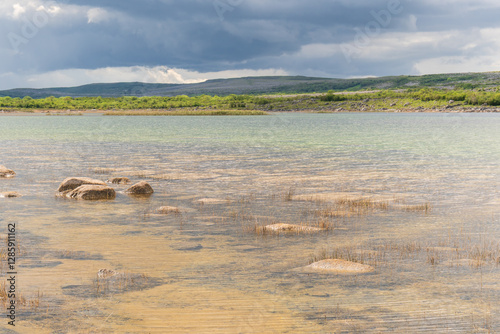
{"points": [[338, 266], [6, 173], [204, 201], [187, 246], [119, 180], [168, 209], [141, 188], [10, 194], [72, 183], [291, 228], [91, 193], [110, 282]]}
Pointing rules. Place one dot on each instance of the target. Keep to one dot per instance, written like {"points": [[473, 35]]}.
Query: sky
{"points": [[50, 43]]}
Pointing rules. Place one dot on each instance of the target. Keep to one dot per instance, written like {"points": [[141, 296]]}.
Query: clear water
{"points": [[207, 271]]}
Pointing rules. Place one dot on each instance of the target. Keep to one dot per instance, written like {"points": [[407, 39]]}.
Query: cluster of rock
{"points": [[91, 189], [85, 188]]}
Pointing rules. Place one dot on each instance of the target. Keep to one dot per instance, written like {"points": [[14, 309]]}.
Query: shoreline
{"points": [[191, 112]]}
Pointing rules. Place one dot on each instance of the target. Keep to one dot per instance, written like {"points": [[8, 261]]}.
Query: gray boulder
{"points": [[91, 192], [72, 183], [141, 188]]}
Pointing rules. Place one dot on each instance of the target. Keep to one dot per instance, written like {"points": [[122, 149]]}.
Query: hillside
{"points": [[265, 85]]}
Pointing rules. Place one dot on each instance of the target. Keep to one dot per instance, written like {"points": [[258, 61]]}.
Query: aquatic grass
{"points": [[162, 177], [432, 257], [349, 253], [363, 204], [287, 196], [76, 255], [241, 214], [333, 212], [246, 199], [301, 228], [4, 296], [425, 208], [346, 207], [32, 303], [117, 283], [103, 171], [475, 254]]}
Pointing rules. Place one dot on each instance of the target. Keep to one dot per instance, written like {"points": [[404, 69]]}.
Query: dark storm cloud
{"points": [[297, 36]]}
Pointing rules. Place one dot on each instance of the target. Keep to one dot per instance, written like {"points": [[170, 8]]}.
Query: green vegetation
{"points": [[258, 95], [381, 100]]}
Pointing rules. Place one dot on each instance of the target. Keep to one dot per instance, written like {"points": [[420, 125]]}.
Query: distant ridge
{"points": [[264, 85]]}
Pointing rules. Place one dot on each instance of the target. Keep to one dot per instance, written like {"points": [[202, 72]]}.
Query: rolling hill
{"points": [[264, 85]]}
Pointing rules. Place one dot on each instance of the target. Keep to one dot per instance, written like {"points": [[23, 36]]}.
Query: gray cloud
{"points": [[323, 37]]}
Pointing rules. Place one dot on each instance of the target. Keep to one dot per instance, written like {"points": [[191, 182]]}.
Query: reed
{"points": [[103, 171], [425, 208], [332, 212], [363, 204], [475, 254], [287, 196], [116, 283], [30, 303], [349, 253], [162, 177]]}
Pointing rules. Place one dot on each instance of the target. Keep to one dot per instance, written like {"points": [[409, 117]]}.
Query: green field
{"points": [[408, 99]]}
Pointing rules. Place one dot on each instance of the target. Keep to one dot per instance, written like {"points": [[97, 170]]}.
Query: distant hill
{"points": [[264, 85]]}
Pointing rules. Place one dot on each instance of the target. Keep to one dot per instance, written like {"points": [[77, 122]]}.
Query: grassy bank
{"points": [[382, 100]]}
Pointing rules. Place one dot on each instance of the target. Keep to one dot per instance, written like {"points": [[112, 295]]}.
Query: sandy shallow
{"points": [[208, 269]]}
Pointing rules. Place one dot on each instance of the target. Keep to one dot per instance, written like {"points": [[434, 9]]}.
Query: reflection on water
{"points": [[205, 269]]}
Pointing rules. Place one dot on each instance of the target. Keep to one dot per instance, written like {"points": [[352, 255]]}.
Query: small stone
{"points": [[205, 201], [6, 173], [141, 188], [291, 228], [339, 267], [168, 209], [10, 194]]}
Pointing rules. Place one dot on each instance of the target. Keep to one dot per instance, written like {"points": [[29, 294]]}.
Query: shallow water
{"points": [[206, 270]]}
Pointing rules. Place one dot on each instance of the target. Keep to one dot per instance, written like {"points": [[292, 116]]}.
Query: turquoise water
{"points": [[208, 262]]}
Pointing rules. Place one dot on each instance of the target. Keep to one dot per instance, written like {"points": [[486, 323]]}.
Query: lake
{"points": [[415, 196]]}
